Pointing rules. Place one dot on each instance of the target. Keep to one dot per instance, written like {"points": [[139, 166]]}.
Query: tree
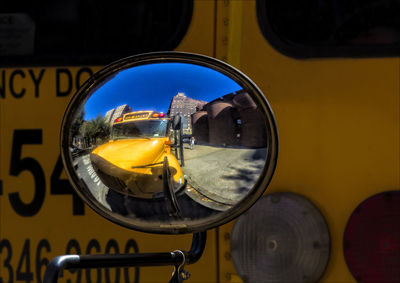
{"points": [[96, 129], [77, 124]]}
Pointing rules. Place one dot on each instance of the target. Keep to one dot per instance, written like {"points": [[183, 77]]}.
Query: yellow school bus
{"points": [[330, 70], [137, 155]]}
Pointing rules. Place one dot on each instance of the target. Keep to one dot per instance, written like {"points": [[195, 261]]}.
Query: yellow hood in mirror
{"points": [[132, 152]]}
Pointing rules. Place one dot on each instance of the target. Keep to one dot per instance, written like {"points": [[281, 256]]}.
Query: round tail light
{"points": [[371, 243], [282, 238]]}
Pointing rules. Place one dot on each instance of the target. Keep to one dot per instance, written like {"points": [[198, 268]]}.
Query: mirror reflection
{"points": [[168, 141]]}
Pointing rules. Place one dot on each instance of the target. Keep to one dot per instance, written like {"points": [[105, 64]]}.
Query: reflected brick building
{"points": [[185, 106], [232, 120]]}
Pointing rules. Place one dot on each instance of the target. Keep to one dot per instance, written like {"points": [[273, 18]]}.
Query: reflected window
{"points": [[322, 28], [140, 129]]}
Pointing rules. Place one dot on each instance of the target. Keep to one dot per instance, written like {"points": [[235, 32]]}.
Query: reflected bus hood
{"points": [[126, 153]]}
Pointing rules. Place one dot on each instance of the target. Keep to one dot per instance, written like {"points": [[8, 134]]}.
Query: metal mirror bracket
{"points": [[176, 258]]}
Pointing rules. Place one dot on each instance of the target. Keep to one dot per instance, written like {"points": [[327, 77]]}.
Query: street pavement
{"points": [[223, 174]]}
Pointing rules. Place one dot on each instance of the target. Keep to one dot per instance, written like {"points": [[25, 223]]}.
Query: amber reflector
{"points": [[371, 241]]}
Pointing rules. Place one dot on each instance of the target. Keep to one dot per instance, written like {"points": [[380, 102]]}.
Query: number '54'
{"points": [[19, 164]]}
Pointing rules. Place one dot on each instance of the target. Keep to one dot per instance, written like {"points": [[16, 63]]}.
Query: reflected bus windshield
{"points": [[140, 129]]}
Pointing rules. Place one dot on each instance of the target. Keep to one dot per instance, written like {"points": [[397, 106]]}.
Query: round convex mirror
{"points": [[169, 142]]}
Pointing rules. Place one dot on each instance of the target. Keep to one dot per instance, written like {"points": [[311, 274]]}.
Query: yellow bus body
{"points": [[339, 127], [339, 131], [137, 163]]}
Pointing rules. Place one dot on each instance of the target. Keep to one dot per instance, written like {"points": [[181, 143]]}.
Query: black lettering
{"points": [[78, 82], [93, 244], [131, 244], [112, 244], [3, 84], [12, 90], [41, 262], [68, 75], [25, 258], [36, 81], [18, 165], [6, 244], [63, 187], [73, 244]]}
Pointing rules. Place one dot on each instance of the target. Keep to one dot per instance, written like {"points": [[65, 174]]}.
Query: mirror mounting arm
{"points": [[174, 258], [197, 248]]}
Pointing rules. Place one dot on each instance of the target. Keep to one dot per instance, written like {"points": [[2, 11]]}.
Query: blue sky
{"points": [[152, 86]]}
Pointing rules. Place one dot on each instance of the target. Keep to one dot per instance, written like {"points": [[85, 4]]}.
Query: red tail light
{"points": [[371, 241]]}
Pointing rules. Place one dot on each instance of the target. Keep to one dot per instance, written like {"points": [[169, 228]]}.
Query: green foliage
{"points": [[77, 124], [96, 129]]}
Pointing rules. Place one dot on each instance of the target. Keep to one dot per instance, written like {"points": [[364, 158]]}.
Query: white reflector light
{"points": [[282, 238]]}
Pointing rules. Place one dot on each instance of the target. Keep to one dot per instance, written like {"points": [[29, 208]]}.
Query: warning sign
{"points": [[17, 34]]}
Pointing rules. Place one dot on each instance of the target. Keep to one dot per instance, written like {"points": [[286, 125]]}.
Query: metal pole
{"points": [[59, 263], [181, 146]]}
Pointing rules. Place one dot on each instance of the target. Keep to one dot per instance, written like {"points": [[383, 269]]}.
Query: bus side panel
{"points": [[200, 35], [338, 122]]}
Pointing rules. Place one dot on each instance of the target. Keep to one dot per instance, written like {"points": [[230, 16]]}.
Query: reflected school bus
{"points": [[137, 158]]}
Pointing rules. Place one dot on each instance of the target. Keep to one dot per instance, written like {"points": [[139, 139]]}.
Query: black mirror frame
{"points": [[173, 57]]}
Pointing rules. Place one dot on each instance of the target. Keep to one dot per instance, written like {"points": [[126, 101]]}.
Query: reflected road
{"points": [[223, 174]]}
